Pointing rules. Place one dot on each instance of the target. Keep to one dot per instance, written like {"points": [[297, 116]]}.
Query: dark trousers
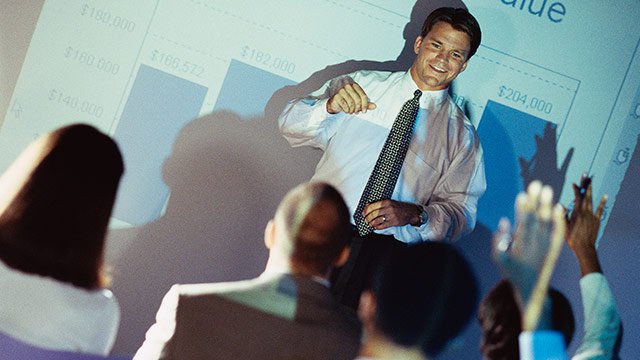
{"points": [[367, 254]]}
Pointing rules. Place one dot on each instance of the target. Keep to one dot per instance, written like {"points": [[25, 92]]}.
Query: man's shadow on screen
{"points": [[225, 181], [541, 166]]}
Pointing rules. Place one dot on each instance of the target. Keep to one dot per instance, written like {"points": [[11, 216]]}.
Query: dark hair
{"points": [[425, 294], [500, 321], [562, 315], [318, 221], [460, 19], [56, 224]]}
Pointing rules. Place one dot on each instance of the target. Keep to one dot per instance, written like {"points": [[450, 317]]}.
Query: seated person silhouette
{"points": [[421, 299], [55, 204], [288, 312]]}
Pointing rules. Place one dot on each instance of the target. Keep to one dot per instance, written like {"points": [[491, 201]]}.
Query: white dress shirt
{"points": [[601, 319], [50, 314], [443, 169]]}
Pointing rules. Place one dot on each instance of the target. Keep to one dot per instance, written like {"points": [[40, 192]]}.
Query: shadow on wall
{"points": [[226, 177]]}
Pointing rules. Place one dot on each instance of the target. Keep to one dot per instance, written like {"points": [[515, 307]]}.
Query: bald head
{"points": [[314, 224]]}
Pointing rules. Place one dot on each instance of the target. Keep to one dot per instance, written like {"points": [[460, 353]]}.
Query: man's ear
{"points": [[417, 44], [270, 234], [342, 258], [464, 66]]}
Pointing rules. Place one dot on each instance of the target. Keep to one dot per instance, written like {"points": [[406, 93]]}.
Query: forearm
{"points": [[304, 122], [588, 260], [544, 344], [601, 318], [446, 221]]}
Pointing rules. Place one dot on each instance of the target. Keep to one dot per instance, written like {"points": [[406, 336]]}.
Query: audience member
{"points": [[421, 300], [528, 260], [286, 313], [602, 324], [55, 204], [499, 318]]}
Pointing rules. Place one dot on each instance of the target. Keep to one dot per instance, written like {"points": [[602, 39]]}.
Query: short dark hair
{"points": [[56, 224], [318, 222], [425, 294], [500, 321], [562, 319], [460, 19]]}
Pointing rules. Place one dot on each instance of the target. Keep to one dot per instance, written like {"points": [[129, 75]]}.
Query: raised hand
{"points": [[583, 226], [529, 256]]}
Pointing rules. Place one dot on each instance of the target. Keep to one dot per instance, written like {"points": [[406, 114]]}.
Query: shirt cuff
{"points": [[542, 344]]}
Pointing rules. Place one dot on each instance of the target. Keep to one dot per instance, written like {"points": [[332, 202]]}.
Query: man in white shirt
{"points": [[286, 313], [442, 176]]}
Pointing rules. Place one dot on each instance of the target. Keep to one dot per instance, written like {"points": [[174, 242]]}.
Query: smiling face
{"points": [[442, 54]]}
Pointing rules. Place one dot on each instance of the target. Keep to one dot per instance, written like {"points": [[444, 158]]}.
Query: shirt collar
{"points": [[408, 86], [269, 274]]}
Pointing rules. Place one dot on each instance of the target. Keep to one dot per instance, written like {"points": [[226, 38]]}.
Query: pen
{"points": [[584, 185]]}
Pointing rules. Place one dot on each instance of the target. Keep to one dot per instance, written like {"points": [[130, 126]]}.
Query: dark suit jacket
{"points": [[271, 317]]}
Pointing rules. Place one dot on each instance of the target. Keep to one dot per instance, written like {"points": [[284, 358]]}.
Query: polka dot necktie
{"points": [[387, 169]]}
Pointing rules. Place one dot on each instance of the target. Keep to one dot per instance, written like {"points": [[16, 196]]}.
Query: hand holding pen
{"points": [[583, 226]]}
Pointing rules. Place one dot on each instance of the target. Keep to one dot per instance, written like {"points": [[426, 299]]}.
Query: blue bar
{"points": [[506, 134], [159, 105], [246, 89]]}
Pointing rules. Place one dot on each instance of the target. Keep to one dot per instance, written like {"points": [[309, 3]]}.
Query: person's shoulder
{"points": [[108, 300], [225, 287], [458, 114]]}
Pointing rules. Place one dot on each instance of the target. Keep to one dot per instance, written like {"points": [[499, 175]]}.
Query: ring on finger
{"points": [[384, 218]]}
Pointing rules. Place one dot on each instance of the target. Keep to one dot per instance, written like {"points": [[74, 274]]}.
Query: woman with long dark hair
{"points": [[55, 204]]}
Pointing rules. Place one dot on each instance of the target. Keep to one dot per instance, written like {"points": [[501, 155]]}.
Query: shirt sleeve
{"points": [[452, 207], [108, 321], [306, 122], [601, 319], [159, 334], [542, 345]]}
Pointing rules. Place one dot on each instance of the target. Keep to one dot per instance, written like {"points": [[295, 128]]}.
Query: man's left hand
{"points": [[387, 213]]}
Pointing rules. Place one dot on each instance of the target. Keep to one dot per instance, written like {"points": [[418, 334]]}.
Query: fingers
{"points": [[588, 201], [387, 213], [576, 192], [600, 208], [546, 198], [502, 239], [350, 99], [559, 224], [375, 215], [533, 220]]}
